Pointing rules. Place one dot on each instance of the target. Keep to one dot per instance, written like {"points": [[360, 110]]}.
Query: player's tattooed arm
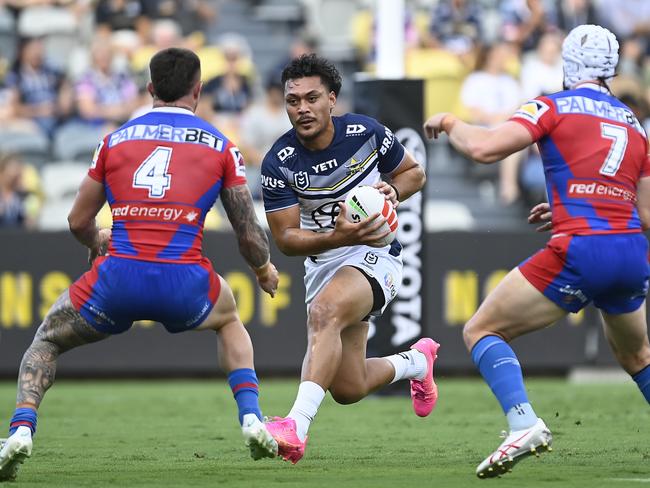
{"points": [[253, 242], [62, 329]]}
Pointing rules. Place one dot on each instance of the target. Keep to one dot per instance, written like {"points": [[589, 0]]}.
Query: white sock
{"points": [[411, 364], [310, 396]]}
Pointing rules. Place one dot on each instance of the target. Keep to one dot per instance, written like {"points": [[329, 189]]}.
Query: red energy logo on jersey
{"points": [[599, 189], [181, 214]]}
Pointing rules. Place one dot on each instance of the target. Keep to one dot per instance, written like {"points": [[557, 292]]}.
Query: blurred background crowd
{"points": [[71, 71]]}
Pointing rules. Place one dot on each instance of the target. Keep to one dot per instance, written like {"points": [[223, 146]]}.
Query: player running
{"points": [[349, 276], [161, 173], [595, 156]]}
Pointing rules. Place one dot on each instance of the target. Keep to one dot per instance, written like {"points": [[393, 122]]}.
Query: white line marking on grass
{"points": [[638, 480]]}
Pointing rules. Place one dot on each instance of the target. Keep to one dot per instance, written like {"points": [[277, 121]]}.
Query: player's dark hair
{"points": [[313, 65], [174, 72]]}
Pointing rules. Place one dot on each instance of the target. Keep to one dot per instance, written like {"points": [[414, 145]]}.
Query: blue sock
{"points": [[642, 379], [244, 386], [23, 416], [500, 369]]}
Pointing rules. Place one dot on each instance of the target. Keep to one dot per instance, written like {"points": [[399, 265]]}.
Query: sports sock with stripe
{"points": [[411, 364], [244, 385], [501, 370], [23, 416]]}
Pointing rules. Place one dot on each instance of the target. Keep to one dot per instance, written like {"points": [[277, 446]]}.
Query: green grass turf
{"points": [[185, 434]]}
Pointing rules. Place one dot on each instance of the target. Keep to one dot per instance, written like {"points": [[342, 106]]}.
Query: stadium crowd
{"points": [[70, 71]]}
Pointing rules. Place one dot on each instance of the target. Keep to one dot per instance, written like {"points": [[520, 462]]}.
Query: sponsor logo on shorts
{"points": [[100, 316], [371, 258], [573, 294], [600, 190], [389, 281], [198, 316], [156, 213]]}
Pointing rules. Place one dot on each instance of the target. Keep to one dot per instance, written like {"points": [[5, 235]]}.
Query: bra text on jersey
{"points": [[192, 135]]}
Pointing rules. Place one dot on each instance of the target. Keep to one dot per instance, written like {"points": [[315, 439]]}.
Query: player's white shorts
{"points": [[377, 263]]}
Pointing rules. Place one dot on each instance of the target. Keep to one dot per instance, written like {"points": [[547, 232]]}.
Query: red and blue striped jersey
{"points": [[162, 173], [594, 152]]}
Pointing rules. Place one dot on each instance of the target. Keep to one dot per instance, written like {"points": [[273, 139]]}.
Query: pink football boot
{"points": [[283, 430], [425, 392]]}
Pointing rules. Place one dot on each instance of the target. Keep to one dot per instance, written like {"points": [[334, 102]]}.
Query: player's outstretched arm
{"points": [[481, 144], [87, 204], [253, 242]]}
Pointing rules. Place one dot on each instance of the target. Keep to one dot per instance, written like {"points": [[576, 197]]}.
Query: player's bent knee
{"points": [[321, 317], [346, 395]]}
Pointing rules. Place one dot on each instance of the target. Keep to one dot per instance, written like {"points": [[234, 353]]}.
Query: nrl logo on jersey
{"points": [[532, 111], [301, 180], [354, 129], [285, 152]]}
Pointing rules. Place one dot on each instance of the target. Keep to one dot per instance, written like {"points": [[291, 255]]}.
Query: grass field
{"points": [[185, 434]]}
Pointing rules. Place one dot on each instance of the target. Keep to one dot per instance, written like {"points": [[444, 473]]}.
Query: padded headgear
{"points": [[589, 52]]}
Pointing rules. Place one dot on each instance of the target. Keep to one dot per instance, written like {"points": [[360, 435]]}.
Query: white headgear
{"points": [[589, 52]]}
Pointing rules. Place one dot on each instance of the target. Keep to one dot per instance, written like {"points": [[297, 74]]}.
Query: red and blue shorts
{"points": [[609, 269], [118, 291]]}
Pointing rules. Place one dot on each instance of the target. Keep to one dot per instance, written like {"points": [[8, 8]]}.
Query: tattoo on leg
{"points": [[63, 329]]}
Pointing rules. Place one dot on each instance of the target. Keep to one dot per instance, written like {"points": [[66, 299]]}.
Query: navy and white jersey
{"points": [[361, 150]]}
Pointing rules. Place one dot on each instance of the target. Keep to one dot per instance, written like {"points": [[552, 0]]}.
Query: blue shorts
{"points": [[118, 291], [609, 269]]}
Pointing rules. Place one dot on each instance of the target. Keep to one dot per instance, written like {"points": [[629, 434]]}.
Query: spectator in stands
{"points": [[261, 125], [489, 96], [301, 44], [38, 91], [231, 91], [456, 26], [572, 13], [541, 71], [523, 21], [105, 96], [116, 15], [626, 18], [17, 206], [194, 16]]}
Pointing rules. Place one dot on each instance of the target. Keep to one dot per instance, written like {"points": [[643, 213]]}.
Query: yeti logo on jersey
{"points": [[320, 167], [285, 152], [531, 111], [354, 129], [325, 215], [371, 258], [301, 180]]}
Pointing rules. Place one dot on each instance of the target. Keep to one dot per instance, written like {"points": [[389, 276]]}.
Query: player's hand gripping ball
{"points": [[365, 201]]}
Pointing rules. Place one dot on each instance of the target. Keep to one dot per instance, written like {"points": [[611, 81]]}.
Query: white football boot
{"points": [[14, 451], [257, 438], [518, 445]]}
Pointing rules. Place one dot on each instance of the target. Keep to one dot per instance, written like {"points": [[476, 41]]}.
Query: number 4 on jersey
{"points": [[152, 173]]}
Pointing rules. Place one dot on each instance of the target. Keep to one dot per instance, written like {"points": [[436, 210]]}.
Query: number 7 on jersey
{"points": [[152, 173]]}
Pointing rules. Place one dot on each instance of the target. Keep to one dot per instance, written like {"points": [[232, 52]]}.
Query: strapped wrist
{"points": [[396, 191]]}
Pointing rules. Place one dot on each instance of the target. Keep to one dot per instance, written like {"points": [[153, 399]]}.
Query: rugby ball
{"points": [[364, 201]]}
